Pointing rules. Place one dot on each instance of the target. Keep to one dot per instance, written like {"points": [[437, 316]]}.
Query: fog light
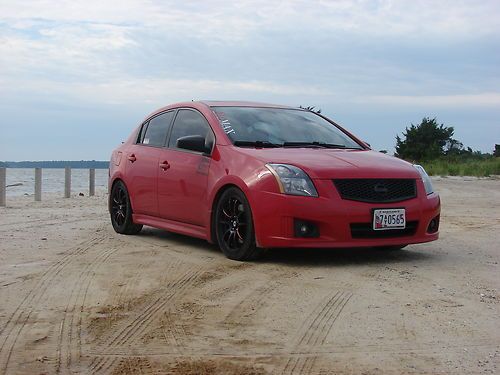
{"points": [[306, 229], [433, 225]]}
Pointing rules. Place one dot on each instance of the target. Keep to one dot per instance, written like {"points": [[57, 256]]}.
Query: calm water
{"points": [[53, 181]]}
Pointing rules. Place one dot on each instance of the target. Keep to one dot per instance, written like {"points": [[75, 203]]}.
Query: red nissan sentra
{"points": [[250, 176]]}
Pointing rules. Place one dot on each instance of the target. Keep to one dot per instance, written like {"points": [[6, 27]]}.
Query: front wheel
{"points": [[234, 226], [121, 210]]}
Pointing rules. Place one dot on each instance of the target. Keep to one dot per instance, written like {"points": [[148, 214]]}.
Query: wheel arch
{"points": [[216, 198], [112, 185], [240, 185]]}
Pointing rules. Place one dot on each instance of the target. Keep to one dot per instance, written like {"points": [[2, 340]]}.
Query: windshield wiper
{"points": [[312, 144], [258, 144]]}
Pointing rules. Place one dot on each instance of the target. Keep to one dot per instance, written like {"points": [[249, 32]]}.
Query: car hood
{"points": [[333, 163]]}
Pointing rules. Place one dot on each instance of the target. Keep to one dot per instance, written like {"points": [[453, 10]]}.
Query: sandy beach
{"points": [[77, 298]]}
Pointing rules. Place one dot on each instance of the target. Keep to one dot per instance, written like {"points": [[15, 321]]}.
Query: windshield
{"points": [[279, 127]]}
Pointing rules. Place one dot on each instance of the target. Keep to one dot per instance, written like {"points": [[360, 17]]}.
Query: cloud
{"points": [[224, 20], [487, 99], [59, 49], [141, 92], [395, 57]]}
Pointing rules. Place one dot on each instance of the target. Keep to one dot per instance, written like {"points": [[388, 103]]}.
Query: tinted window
{"points": [[156, 132], [140, 135], [279, 125], [188, 123]]}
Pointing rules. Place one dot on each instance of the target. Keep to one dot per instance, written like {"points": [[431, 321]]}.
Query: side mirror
{"points": [[193, 143]]}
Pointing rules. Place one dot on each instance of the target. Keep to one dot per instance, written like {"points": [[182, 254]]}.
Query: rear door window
{"points": [[140, 135], [156, 132]]}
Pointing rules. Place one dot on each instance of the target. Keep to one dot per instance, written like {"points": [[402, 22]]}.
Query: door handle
{"points": [[132, 158], [164, 165]]}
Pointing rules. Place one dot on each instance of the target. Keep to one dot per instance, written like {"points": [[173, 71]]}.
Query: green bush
{"points": [[480, 167]]}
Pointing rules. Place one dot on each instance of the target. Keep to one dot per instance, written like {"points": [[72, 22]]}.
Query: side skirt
{"points": [[171, 226]]}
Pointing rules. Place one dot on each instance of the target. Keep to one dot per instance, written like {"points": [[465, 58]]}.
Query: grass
{"points": [[468, 167]]}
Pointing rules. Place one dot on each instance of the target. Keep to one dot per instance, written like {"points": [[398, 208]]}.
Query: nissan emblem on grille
{"points": [[380, 188]]}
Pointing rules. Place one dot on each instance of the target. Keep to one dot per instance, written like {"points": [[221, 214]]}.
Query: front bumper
{"points": [[274, 216]]}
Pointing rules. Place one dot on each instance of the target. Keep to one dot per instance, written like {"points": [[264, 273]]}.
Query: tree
{"points": [[427, 141]]}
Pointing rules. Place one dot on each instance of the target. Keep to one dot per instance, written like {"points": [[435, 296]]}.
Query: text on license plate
{"points": [[393, 218]]}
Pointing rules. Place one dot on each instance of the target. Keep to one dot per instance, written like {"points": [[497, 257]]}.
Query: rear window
{"points": [[157, 129]]}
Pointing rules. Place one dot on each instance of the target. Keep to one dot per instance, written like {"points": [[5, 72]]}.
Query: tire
{"points": [[120, 210], [390, 248], [234, 226]]}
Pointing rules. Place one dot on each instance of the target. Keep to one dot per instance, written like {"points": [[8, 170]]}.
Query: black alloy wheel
{"points": [[121, 210], [234, 226]]}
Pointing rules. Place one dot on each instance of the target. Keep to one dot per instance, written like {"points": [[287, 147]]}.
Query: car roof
{"points": [[236, 103], [218, 103]]}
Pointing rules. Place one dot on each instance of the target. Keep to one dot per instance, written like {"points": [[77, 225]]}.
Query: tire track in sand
{"points": [[315, 330], [113, 336], [131, 331], [251, 303], [17, 321], [45, 223], [69, 340]]}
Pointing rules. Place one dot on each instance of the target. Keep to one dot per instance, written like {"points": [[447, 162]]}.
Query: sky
{"points": [[77, 77]]}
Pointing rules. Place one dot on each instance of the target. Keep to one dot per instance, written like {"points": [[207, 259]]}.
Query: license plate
{"points": [[393, 218]]}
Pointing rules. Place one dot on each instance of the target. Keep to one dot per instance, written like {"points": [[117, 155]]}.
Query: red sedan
{"points": [[250, 176]]}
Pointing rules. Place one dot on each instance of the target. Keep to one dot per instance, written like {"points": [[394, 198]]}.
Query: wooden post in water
{"points": [[67, 182], [38, 184], [3, 185], [91, 182]]}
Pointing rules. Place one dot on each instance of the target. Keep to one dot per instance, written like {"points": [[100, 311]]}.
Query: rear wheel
{"points": [[121, 210], [234, 226]]}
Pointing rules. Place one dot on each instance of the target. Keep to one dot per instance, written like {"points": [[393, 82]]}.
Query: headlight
{"points": [[292, 180], [425, 179]]}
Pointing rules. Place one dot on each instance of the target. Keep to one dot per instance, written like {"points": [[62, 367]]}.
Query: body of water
{"points": [[53, 181]]}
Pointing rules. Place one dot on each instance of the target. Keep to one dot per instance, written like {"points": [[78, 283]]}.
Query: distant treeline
{"points": [[82, 164]]}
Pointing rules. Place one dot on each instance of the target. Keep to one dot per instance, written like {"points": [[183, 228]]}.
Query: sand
{"points": [[75, 297]]}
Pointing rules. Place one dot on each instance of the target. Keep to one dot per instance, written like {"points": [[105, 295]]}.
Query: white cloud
{"points": [[79, 50], [155, 92], [67, 30], [487, 99], [224, 20], [78, 37]]}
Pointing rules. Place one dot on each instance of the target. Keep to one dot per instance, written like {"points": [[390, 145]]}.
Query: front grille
{"points": [[365, 230], [376, 190]]}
